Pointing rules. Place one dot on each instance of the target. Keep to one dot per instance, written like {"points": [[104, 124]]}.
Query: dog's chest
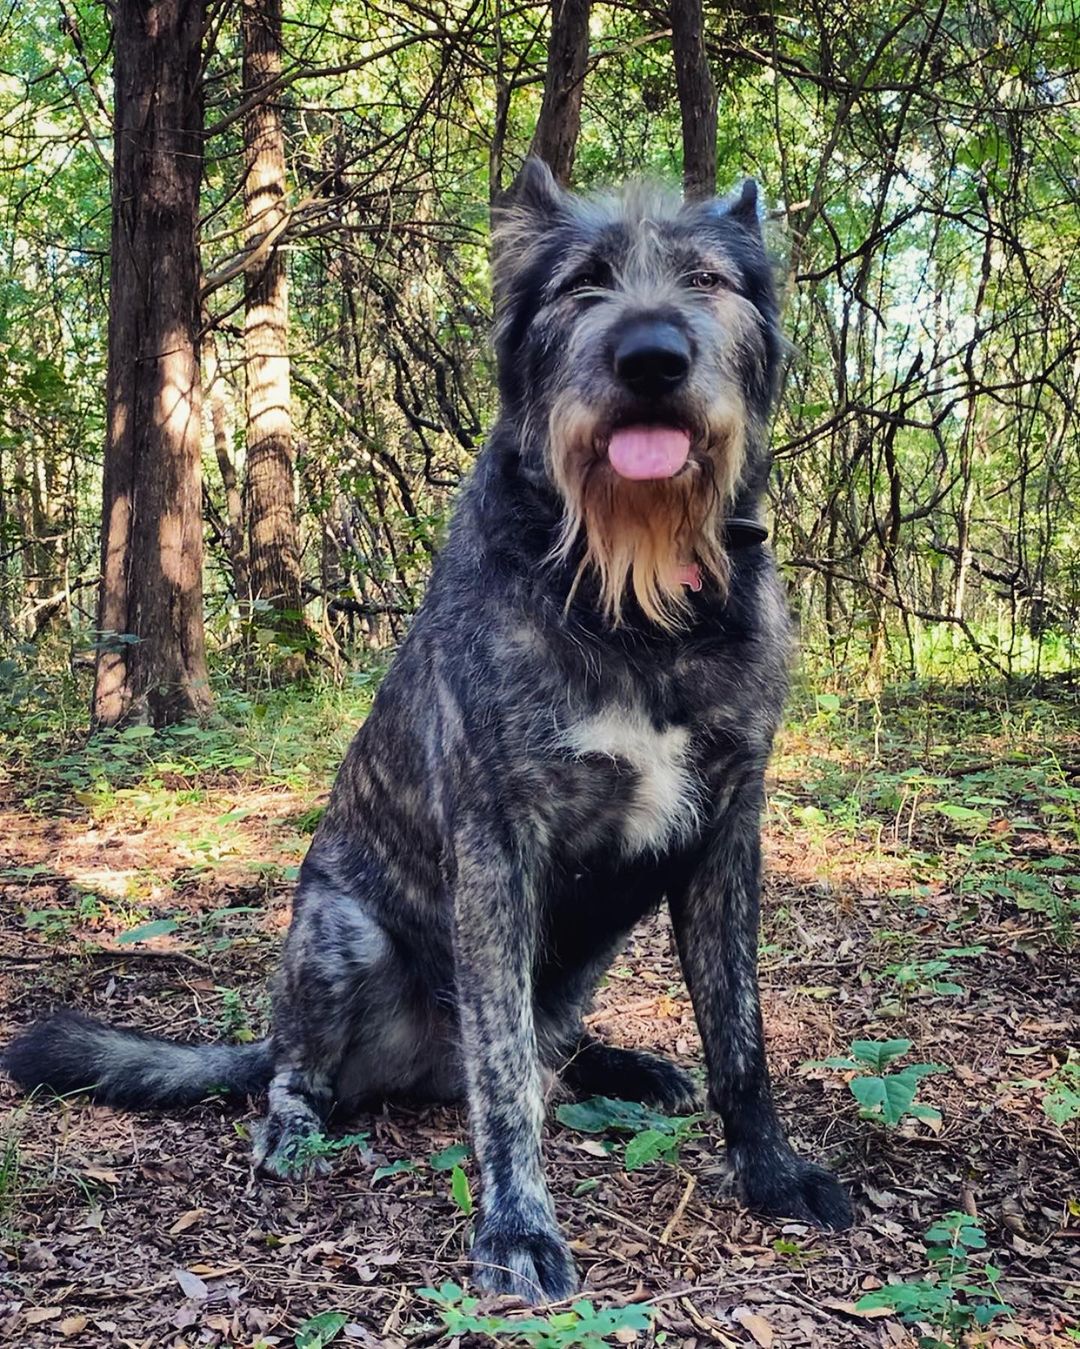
{"points": [[659, 794]]}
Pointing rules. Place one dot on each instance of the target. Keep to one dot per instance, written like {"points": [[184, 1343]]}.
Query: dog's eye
{"points": [[706, 280], [594, 276]]}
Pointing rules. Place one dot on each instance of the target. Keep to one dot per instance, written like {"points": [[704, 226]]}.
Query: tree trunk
{"points": [[697, 98], [151, 662], [235, 537], [274, 553], [556, 136]]}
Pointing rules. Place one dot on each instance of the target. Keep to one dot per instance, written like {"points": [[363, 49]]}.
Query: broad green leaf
{"points": [[646, 1147], [879, 1053], [449, 1157], [319, 1330], [159, 927]]}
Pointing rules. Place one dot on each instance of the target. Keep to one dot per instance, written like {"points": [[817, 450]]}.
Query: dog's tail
{"points": [[69, 1053]]}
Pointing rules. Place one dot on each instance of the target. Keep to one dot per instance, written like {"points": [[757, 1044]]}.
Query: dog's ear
{"points": [[535, 191], [744, 208]]}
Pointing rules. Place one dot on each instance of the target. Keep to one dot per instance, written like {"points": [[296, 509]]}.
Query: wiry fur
{"points": [[534, 776]]}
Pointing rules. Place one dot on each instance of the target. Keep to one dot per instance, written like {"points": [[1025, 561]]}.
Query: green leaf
{"points": [[319, 1330], [459, 1188], [879, 1053], [398, 1168], [601, 1113], [646, 1147], [450, 1157], [159, 927]]}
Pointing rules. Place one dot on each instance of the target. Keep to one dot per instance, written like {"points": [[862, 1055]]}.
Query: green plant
{"points": [[1061, 1103], [951, 1300], [886, 1097], [315, 1147], [319, 1330], [924, 976], [233, 1020], [9, 1174], [582, 1327], [654, 1136]]}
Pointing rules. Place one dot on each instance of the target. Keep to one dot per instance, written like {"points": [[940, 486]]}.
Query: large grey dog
{"points": [[574, 731]]}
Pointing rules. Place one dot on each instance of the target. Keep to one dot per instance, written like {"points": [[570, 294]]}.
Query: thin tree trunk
{"points": [[274, 553], [697, 98], [235, 538], [556, 136], [151, 662]]}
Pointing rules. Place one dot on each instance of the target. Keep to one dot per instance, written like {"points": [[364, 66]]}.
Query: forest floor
{"points": [[923, 884]]}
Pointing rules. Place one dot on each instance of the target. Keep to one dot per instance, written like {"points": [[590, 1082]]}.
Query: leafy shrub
{"points": [[654, 1136], [886, 1097], [582, 1327], [951, 1300]]}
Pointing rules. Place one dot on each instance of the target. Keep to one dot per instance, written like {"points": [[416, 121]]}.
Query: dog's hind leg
{"points": [[339, 977], [716, 925]]}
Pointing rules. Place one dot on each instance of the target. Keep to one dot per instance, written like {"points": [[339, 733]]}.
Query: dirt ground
{"points": [[146, 1230]]}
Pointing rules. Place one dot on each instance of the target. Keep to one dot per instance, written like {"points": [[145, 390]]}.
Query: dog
{"points": [[574, 731]]}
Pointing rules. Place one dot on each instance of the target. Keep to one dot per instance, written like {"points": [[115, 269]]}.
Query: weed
{"points": [[654, 1136], [316, 1146], [919, 977], [951, 1300], [319, 1330], [233, 1021], [9, 1176], [582, 1327], [886, 1097]]}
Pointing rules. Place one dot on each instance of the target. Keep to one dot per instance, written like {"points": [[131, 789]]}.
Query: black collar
{"points": [[743, 532]]}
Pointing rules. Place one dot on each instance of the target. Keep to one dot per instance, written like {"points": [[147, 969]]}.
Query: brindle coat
{"points": [[551, 756]]}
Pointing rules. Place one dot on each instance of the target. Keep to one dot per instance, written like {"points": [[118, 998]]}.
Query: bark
{"points": [[151, 662], [697, 98], [274, 548], [556, 136]]}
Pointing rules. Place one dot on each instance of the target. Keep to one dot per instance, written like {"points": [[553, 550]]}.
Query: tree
{"points": [[151, 662], [274, 553], [697, 98], [557, 127]]}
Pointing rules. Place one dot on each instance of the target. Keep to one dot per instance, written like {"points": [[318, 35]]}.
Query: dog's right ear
{"points": [[535, 191]]}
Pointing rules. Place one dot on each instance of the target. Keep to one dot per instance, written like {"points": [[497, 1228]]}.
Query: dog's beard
{"points": [[640, 536]]}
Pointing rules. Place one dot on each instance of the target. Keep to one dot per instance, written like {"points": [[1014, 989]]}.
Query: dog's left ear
{"points": [[744, 208], [535, 191]]}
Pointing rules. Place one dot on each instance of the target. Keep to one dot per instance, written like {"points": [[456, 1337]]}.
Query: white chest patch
{"points": [[666, 805]]}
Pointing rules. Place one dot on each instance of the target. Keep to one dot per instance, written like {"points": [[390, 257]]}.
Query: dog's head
{"points": [[637, 344]]}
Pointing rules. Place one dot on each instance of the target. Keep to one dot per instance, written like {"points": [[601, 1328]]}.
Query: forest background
{"points": [[307, 298]]}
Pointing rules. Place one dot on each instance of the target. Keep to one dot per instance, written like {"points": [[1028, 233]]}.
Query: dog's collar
{"points": [[743, 532]]}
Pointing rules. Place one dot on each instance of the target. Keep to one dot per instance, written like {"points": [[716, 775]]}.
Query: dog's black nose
{"points": [[652, 358]]}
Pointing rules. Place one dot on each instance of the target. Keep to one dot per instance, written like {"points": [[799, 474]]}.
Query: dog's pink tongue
{"points": [[648, 451]]}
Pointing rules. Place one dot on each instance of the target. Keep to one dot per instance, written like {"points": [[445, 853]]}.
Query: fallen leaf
{"points": [[186, 1220], [191, 1285], [214, 1271], [36, 1315], [756, 1326], [72, 1325], [101, 1173], [850, 1309]]}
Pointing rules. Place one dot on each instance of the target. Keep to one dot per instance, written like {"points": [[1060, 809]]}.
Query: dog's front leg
{"points": [[518, 1247], [716, 925]]}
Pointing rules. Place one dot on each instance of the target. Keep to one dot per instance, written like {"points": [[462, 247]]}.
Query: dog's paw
{"points": [[633, 1075], [534, 1265], [664, 1086], [285, 1151], [782, 1185]]}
